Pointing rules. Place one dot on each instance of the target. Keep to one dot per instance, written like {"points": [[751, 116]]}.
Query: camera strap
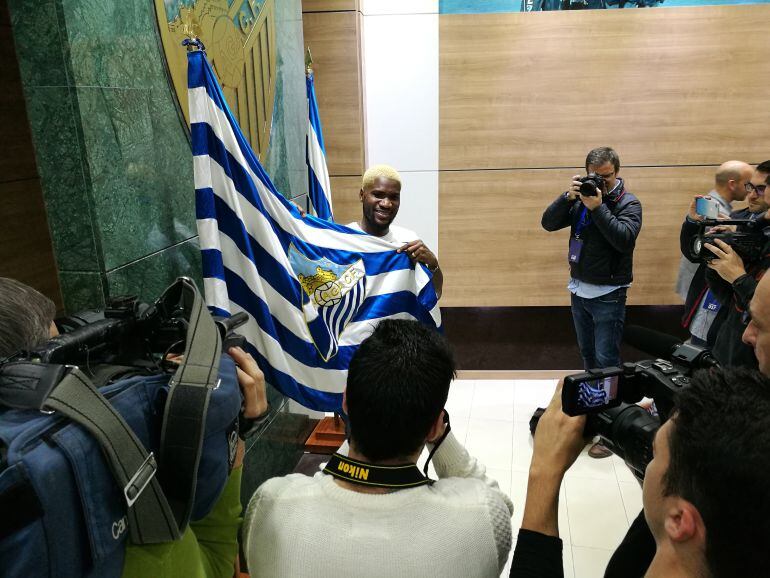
{"points": [[396, 477]]}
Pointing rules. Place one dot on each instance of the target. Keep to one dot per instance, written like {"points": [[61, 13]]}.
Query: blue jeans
{"points": [[599, 327]]}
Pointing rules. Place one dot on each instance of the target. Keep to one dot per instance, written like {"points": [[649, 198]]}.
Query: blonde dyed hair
{"points": [[373, 173]]}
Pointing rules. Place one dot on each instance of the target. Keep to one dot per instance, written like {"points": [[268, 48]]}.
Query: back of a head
{"points": [[720, 462], [730, 171], [398, 383], [25, 317], [763, 167]]}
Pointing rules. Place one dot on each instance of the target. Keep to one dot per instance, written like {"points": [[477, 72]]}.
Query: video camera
{"points": [[129, 333], [608, 396], [748, 241]]}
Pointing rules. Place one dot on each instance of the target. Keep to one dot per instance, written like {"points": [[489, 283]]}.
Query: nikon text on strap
{"points": [[394, 477]]}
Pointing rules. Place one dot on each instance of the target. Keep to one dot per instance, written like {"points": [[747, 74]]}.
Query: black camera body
{"points": [[748, 241], [129, 333], [590, 183], [609, 396]]}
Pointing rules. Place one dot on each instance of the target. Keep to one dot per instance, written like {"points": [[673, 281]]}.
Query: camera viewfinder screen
{"points": [[597, 392]]}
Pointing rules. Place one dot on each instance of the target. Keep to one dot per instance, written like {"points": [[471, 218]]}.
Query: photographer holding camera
{"points": [[702, 307], [208, 547], [373, 512], [731, 275], [604, 220], [704, 495]]}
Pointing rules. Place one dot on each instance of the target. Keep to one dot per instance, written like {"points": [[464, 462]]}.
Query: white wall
{"points": [[400, 63]]}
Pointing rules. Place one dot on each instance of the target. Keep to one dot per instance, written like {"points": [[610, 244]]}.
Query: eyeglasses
{"points": [[759, 189]]}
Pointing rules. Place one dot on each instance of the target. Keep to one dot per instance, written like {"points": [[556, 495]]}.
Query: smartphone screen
{"points": [[707, 208], [596, 393]]}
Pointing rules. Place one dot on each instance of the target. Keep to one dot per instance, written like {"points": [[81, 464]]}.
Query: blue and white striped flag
{"points": [[313, 289], [319, 186]]}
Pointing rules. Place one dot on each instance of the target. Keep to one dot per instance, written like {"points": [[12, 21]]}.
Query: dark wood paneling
{"points": [[26, 253], [16, 162], [25, 243], [536, 338]]}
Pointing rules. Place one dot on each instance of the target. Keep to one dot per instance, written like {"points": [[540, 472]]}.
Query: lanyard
{"points": [[585, 218], [582, 222]]}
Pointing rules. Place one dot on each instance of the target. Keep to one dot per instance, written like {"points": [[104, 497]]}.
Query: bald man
{"points": [[380, 197], [731, 183], [734, 282]]}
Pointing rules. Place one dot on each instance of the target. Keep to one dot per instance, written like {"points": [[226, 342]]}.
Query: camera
{"points": [[608, 398], [748, 241], [590, 183], [129, 333]]}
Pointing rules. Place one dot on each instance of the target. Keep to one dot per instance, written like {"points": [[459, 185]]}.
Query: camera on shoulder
{"points": [[608, 398], [748, 240]]}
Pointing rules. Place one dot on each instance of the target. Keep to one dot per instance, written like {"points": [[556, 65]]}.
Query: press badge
{"points": [[575, 248], [710, 301]]}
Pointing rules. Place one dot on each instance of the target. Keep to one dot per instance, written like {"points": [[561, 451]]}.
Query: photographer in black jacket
{"points": [[733, 283], [603, 232]]}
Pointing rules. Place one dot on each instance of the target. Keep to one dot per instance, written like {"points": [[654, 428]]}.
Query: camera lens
{"points": [[697, 245]]}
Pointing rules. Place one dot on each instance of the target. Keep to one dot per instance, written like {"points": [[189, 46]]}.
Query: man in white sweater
{"points": [[372, 513]]}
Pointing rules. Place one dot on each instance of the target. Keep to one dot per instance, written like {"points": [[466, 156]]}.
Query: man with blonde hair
{"points": [[380, 196]]}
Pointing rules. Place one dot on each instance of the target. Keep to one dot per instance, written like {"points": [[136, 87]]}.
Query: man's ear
{"points": [[345, 401], [437, 428], [683, 522], [361, 195]]}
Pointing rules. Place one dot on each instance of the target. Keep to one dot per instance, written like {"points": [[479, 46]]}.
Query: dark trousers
{"points": [[599, 327]]}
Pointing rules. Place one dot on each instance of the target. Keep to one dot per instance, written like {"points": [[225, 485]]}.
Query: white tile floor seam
{"points": [[598, 499]]}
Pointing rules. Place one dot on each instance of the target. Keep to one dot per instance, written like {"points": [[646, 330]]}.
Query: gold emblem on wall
{"points": [[239, 36]]}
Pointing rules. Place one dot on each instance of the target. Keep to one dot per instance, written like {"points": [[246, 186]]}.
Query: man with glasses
{"points": [[603, 232], [701, 310], [734, 283]]}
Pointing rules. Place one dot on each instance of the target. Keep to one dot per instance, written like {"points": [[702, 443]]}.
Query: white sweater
{"points": [[299, 526]]}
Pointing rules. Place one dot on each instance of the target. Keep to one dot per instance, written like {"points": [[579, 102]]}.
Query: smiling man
{"points": [[380, 199]]}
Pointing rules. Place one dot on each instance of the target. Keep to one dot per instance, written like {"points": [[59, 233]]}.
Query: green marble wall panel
{"points": [[81, 291], [285, 160], [39, 45], [149, 276], [54, 127], [275, 451], [140, 167], [113, 43]]}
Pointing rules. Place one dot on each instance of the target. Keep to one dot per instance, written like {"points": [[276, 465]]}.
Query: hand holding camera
{"points": [[728, 263]]}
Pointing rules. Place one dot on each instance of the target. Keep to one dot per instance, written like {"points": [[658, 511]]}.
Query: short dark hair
{"points": [[720, 462], [763, 167], [601, 155], [398, 383], [25, 317]]}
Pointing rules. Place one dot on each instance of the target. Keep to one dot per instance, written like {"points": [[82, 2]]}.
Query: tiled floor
{"points": [[599, 498]]}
